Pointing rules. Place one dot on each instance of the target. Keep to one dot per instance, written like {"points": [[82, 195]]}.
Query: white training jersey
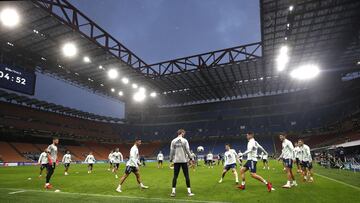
{"points": [[110, 157], [209, 157], [66, 158], [264, 156], [230, 157], [160, 157], [43, 158], [305, 154], [117, 157], [287, 150], [134, 157], [297, 152], [90, 159], [252, 148], [52, 149]]}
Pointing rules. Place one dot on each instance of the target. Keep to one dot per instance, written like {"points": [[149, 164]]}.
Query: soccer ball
{"points": [[200, 149]]}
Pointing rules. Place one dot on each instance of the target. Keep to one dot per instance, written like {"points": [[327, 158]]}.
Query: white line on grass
{"points": [[114, 196], [11, 193], [338, 181]]}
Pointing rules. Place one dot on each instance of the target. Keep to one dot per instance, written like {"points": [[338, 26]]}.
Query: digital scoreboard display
{"points": [[17, 79]]}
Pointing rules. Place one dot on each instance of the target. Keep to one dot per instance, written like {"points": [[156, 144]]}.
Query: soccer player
{"points": [[90, 160], [230, 157], [43, 161], [66, 160], [306, 161], [209, 159], [251, 152], [132, 166], [117, 157], [110, 157], [297, 156], [179, 154], [264, 158], [52, 151], [160, 159], [287, 155]]}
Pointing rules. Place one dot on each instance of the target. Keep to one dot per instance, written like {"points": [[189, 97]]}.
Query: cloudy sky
{"points": [[158, 30]]}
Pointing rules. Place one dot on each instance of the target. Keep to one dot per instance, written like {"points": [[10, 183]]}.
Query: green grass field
{"points": [[80, 186]]}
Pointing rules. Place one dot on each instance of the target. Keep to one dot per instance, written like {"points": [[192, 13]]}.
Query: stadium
{"points": [[271, 117]]}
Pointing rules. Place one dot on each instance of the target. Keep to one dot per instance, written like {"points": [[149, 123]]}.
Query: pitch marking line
{"points": [[338, 181], [11, 193], [112, 196]]}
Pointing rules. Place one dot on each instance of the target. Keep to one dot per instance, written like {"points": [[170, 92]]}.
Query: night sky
{"points": [[158, 30]]}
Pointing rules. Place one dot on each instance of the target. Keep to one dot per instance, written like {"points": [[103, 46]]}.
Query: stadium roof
{"points": [[324, 32], [43, 105]]}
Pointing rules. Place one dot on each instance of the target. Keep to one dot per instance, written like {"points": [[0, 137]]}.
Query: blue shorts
{"points": [[130, 169], [251, 166], [288, 163], [306, 164], [230, 166]]}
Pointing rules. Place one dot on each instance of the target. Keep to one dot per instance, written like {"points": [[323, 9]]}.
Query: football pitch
{"points": [[21, 184]]}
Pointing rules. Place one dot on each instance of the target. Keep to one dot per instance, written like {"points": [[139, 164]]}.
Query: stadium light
{"points": [[113, 74], [142, 89], [121, 93], [139, 96], [305, 72], [134, 86], [9, 17], [69, 49], [100, 67], [112, 90], [282, 58], [125, 80], [291, 8], [153, 94], [86, 59]]}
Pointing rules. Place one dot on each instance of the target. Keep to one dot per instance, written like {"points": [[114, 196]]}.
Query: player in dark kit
{"points": [[52, 151]]}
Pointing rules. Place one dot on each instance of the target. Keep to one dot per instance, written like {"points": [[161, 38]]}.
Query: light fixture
{"points": [[86, 59], [283, 58], [305, 72], [142, 89], [113, 73], [134, 86], [69, 49], [9, 17], [153, 94], [291, 8], [112, 90], [100, 67], [121, 93], [139, 96], [125, 80]]}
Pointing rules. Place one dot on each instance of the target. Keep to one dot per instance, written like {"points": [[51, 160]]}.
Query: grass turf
{"points": [[80, 186]]}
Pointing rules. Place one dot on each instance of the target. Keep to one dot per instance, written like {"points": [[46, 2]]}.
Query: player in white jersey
{"points": [[52, 151], [210, 159], [90, 160], [306, 161], [132, 166], [264, 158], [43, 161], [230, 157], [287, 155], [297, 156], [160, 159], [251, 152], [66, 160], [117, 157], [110, 158]]}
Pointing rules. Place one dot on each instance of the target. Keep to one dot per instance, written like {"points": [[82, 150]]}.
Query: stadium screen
{"points": [[17, 79]]}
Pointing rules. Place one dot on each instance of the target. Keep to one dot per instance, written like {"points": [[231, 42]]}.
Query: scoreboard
{"points": [[17, 79]]}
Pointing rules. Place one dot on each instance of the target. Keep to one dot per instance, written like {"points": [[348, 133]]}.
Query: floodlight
{"points": [[69, 49], [121, 93], [305, 72], [139, 96], [86, 59], [134, 86], [113, 74], [100, 67], [9, 17], [125, 80], [112, 90], [153, 94], [291, 8], [282, 58], [142, 89]]}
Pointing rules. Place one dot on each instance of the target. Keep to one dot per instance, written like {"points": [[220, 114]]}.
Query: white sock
{"points": [[119, 187], [173, 190], [189, 190], [236, 178], [141, 184], [288, 182], [47, 184], [265, 182], [243, 183]]}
